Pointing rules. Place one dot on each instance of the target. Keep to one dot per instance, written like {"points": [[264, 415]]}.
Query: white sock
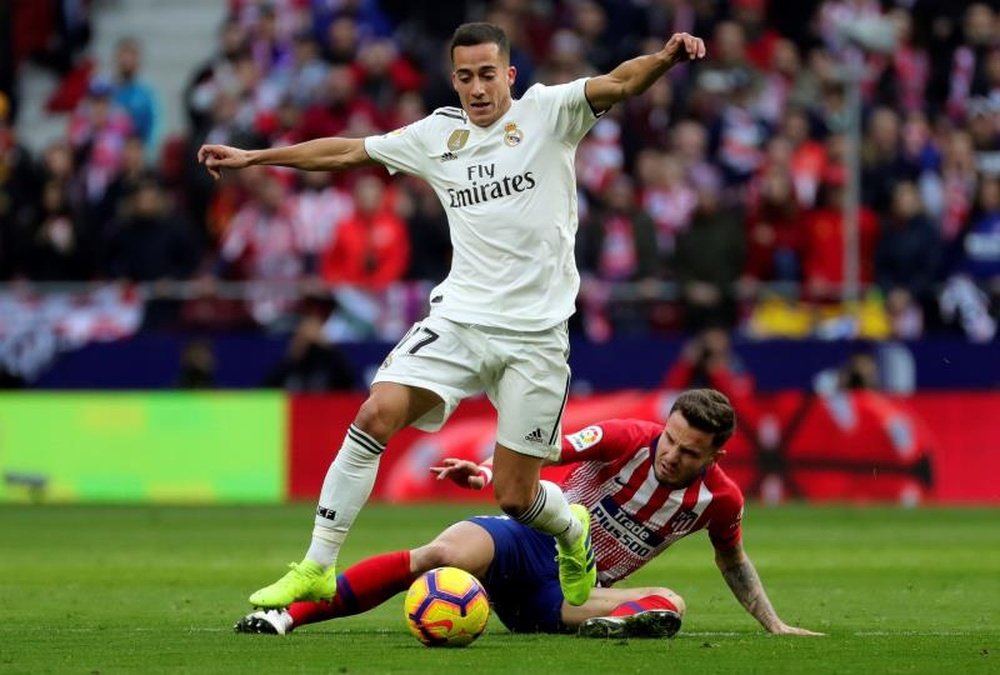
{"points": [[348, 483], [550, 513]]}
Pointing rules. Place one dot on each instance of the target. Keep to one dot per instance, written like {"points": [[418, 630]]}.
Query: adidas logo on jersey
{"points": [[448, 156], [535, 436]]}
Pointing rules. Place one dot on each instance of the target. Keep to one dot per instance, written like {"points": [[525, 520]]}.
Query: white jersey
{"points": [[509, 191]]}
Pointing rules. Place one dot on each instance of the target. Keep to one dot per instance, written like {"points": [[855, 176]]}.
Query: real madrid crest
{"points": [[512, 136], [458, 139]]}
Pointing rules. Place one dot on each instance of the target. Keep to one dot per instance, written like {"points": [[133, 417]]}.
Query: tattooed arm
{"points": [[743, 581]]}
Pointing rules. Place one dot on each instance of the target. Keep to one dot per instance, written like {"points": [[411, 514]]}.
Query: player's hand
{"points": [[462, 472], [219, 157], [684, 47], [785, 629]]}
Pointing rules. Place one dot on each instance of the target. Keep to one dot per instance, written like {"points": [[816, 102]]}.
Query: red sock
{"points": [[360, 587], [642, 604]]}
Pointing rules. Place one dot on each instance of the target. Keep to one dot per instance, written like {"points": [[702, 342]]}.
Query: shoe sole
{"points": [[256, 626], [648, 624]]}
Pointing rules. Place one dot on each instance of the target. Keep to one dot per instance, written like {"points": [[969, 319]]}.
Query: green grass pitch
{"points": [[151, 589]]}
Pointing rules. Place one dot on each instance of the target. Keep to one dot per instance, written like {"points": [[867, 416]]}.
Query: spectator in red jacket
{"points": [[372, 247], [823, 256]]}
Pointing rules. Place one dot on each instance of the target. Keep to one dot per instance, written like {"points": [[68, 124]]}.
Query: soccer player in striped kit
{"points": [[645, 486]]}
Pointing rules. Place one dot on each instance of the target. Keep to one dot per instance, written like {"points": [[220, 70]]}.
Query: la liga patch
{"points": [[586, 438]]}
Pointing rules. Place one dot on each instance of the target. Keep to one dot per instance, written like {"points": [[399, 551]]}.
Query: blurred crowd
{"points": [[724, 181]]}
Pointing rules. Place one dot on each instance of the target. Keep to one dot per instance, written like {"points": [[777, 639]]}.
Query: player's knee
{"points": [[515, 492], [513, 501], [436, 554], [379, 419]]}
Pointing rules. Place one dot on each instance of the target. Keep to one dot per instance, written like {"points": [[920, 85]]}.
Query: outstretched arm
{"points": [[743, 581], [635, 76], [321, 154]]}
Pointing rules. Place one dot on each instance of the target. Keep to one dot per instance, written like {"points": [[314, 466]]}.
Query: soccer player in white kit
{"points": [[504, 172]]}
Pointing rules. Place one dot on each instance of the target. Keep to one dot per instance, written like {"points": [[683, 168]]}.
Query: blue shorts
{"points": [[523, 579]]}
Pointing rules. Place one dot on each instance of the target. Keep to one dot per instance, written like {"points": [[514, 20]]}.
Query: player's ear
{"points": [[719, 454], [511, 75]]}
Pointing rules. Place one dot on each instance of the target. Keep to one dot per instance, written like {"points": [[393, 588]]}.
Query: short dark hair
{"points": [[707, 410], [478, 33]]}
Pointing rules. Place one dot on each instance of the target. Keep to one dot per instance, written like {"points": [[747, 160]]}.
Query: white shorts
{"points": [[525, 375]]}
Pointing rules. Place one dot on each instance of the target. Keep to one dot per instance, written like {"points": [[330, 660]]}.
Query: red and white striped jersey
{"points": [[633, 516]]}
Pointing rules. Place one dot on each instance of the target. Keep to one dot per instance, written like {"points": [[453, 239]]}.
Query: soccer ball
{"points": [[446, 607]]}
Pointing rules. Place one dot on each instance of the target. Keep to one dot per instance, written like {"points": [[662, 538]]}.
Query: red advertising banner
{"points": [[860, 446]]}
